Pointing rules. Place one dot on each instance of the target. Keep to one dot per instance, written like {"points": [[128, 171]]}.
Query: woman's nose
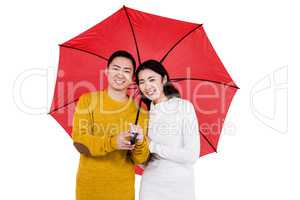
{"points": [[147, 86]]}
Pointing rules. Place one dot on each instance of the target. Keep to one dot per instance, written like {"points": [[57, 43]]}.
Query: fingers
{"points": [[140, 137], [135, 128], [127, 147], [125, 134], [123, 138], [132, 127], [123, 143], [139, 129]]}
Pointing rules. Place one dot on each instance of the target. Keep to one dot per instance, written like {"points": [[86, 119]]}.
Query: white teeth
{"points": [[150, 93], [119, 82]]}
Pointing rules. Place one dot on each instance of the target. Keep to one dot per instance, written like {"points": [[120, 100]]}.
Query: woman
{"points": [[173, 135]]}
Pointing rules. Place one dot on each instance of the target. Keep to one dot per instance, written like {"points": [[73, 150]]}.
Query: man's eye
{"points": [[127, 72], [151, 80]]}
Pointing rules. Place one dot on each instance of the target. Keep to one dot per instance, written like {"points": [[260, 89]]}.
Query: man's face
{"points": [[120, 73]]}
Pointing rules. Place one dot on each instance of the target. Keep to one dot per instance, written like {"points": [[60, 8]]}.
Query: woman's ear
{"points": [[165, 79]]}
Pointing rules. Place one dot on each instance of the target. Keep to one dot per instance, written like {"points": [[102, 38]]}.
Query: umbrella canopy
{"points": [[182, 47]]}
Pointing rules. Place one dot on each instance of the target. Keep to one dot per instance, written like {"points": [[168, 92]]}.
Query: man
{"points": [[100, 133]]}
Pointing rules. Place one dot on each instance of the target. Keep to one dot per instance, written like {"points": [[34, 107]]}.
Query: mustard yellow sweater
{"points": [[107, 174]]}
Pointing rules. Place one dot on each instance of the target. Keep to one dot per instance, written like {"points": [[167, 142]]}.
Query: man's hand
{"points": [[122, 142], [139, 131]]}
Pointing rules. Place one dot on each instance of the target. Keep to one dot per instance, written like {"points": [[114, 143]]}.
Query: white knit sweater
{"points": [[174, 137]]}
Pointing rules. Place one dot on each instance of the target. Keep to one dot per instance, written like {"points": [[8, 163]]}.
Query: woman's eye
{"points": [[151, 80]]}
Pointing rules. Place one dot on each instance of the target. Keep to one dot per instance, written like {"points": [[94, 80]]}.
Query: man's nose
{"points": [[120, 74]]}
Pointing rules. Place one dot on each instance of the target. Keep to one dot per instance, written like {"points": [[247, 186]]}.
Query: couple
{"points": [[167, 143]]}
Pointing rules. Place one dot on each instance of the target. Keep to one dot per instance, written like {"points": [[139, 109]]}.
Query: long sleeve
{"points": [[190, 150], [141, 151], [82, 132]]}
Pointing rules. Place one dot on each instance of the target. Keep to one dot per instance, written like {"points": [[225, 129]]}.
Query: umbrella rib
{"points": [[191, 31], [207, 140], [133, 33], [62, 106], [70, 47], [200, 79], [85, 51]]}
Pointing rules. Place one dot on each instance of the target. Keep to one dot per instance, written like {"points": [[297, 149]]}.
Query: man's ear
{"points": [[133, 78], [106, 71]]}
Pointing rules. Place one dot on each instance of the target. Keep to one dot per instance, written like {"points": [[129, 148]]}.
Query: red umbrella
{"points": [[182, 47]]}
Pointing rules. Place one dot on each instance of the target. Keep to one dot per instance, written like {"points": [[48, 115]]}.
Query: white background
{"points": [[258, 42]]}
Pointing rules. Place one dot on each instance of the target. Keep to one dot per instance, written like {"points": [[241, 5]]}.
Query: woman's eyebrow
{"points": [[141, 79]]}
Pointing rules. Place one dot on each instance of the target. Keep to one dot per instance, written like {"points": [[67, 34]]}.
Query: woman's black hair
{"points": [[169, 89], [122, 53]]}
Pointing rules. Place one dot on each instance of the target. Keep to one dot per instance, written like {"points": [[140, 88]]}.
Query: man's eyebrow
{"points": [[115, 65]]}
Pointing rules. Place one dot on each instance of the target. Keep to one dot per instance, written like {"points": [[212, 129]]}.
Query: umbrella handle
{"points": [[133, 138], [138, 112]]}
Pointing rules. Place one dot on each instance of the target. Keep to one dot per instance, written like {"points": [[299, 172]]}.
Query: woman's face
{"points": [[151, 84]]}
